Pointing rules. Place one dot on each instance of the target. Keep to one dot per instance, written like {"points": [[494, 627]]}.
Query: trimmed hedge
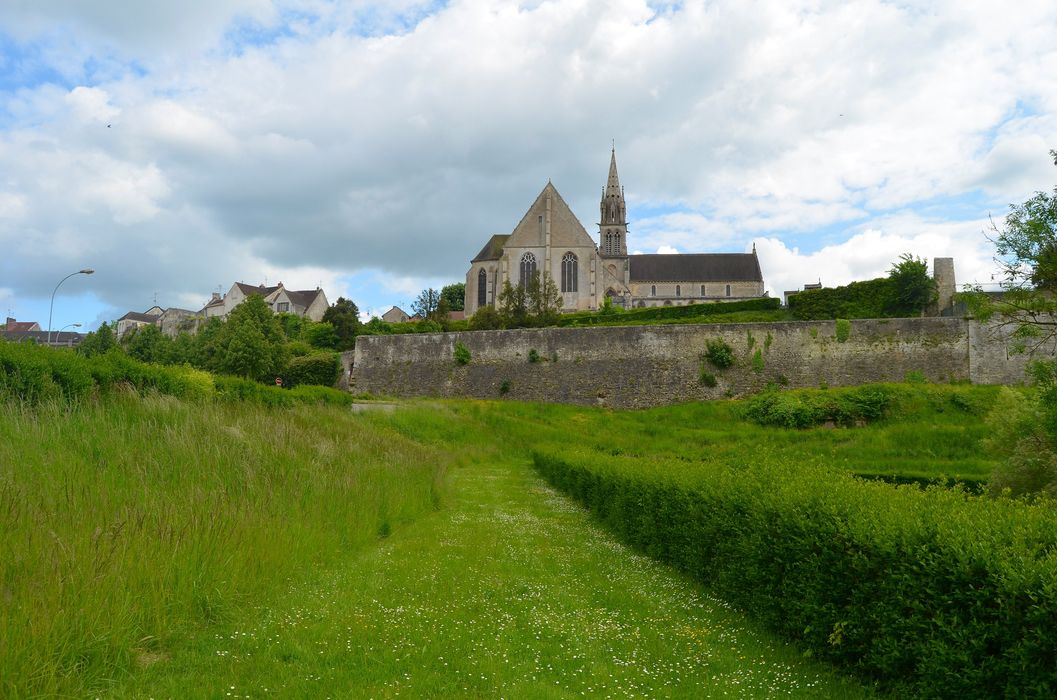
{"points": [[866, 299], [656, 313], [319, 369], [928, 593]]}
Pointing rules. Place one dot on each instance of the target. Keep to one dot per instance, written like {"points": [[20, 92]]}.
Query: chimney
{"points": [[10, 321], [216, 297]]}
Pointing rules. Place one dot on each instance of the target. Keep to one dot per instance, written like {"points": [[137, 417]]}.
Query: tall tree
{"points": [[344, 316], [98, 342], [513, 305], [455, 293], [425, 305], [251, 343], [912, 287], [545, 301]]}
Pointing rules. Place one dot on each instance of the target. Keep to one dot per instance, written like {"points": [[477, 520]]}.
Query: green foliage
{"points": [[708, 379], [808, 407], [461, 354], [319, 369], [504, 387], [533, 356], [428, 325], [320, 335], [486, 318], [1023, 437], [455, 295], [842, 330], [146, 344], [98, 342], [344, 316], [719, 353], [757, 361], [251, 343], [750, 340], [912, 289], [690, 312], [426, 303], [513, 305], [914, 376], [928, 593]]}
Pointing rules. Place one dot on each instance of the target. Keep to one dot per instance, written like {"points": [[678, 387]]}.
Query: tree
{"points": [[147, 344], [513, 305], [98, 342], [486, 318], [545, 301], [320, 335], [344, 316], [251, 343], [1024, 425], [425, 305], [455, 293], [912, 287]]}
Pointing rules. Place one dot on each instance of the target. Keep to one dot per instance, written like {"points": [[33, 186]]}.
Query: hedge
{"points": [[866, 299], [320, 369], [656, 313], [928, 593]]}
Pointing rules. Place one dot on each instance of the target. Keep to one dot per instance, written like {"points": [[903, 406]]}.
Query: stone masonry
{"points": [[639, 366]]}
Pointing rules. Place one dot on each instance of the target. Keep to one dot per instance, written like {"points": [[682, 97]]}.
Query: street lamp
{"points": [[86, 271], [69, 325]]}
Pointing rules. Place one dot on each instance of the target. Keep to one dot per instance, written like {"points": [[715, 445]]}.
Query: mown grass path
{"points": [[509, 591]]}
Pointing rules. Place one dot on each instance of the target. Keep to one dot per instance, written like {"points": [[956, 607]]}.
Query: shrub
{"points": [[757, 361], [808, 407], [719, 353], [504, 387], [843, 330], [486, 318], [461, 354], [533, 356], [914, 376], [319, 369], [708, 379], [867, 299], [929, 593]]}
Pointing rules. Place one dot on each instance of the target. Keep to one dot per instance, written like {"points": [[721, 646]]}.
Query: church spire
{"points": [[613, 226]]}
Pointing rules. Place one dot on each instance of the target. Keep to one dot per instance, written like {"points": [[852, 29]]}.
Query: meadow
{"points": [[223, 543]]}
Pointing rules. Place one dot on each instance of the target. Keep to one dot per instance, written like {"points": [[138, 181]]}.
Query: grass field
{"points": [[167, 548]]}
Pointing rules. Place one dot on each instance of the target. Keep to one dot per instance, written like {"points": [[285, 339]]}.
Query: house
{"points": [[396, 315], [59, 339], [135, 319], [174, 321], [550, 240], [12, 325], [307, 303]]}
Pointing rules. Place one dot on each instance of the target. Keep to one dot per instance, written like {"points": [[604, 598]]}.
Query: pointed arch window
{"points": [[570, 272], [482, 288], [528, 269], [653, 290], [702, 290], [678, 291], [728, 290]]}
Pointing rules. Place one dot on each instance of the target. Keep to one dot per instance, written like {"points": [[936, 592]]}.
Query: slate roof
{"points": [[696, 267], [493, 249], [249, 289], [137, 316], [305, 297]]}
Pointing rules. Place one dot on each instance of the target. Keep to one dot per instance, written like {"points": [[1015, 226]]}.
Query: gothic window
{"points": [[653, 290], [678, 291], [702, 290], [570, 273], [482, 288], [728, 290], [528, 269], [616, 244], [541, 227]]}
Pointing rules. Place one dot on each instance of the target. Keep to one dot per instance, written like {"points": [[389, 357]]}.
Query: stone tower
{"points": [[613, 226], [943, 275]]}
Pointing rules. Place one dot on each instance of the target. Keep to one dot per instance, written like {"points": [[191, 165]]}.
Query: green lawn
{"points": [[510, 591]]}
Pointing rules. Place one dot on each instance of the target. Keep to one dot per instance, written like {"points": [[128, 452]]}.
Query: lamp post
{"points": [[86, 271], [68, 325]]}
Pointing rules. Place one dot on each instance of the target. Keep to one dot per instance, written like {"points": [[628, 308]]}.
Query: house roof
{"points": [[137, 316], [41, 337], [249, 289], [493, 249], [304, 297], [23, 326], [699, 267]]}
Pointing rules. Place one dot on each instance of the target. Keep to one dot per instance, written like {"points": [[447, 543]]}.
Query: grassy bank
{"points": [[128, 523]]}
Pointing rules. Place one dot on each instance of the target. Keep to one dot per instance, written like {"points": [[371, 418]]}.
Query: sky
{"points": [[372, 148]]}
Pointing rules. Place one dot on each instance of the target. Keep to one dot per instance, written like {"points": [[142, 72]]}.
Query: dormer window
{"points": [[282, 307]]}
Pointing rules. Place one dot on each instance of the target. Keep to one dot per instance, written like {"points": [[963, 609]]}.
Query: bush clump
{"points": [[461, 354], [719, 353], [317, 369], [810, 407]]}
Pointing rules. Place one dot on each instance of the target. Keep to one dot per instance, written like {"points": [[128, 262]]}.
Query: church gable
{"points": [[565, 229]]}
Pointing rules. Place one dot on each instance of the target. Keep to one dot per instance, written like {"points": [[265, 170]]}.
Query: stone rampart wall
{"points": [[638, 366]]}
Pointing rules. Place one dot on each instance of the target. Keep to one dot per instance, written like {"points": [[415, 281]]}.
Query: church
{"points": [[550, 239]]}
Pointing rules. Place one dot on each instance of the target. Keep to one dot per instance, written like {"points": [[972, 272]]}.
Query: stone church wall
{"points": [[639, 366]]}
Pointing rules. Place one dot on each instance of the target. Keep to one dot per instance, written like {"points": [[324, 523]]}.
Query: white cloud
{"points": [[388, 142]]}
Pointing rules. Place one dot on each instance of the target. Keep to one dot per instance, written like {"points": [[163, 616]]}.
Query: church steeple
{"points": [[613, 225]]}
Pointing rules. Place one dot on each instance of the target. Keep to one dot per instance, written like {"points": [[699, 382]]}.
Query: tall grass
{"points": [[128, 521]]}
